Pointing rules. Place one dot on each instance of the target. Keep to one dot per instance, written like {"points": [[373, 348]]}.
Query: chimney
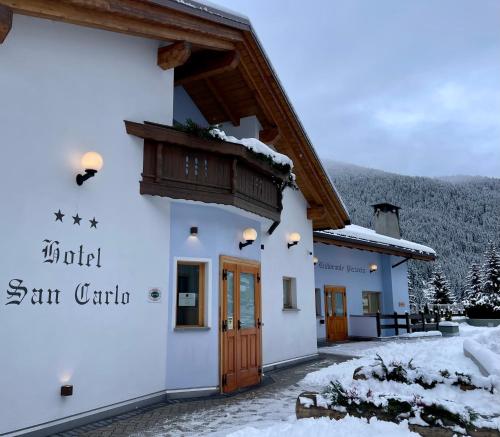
{"points": [[386, 219]]}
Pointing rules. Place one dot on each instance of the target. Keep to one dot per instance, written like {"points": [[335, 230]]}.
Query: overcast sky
{"points": [[408, 86]]}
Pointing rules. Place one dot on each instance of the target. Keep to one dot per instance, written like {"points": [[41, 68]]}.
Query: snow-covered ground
{"points": [[431, 354], [271, 411], [350, 426]]}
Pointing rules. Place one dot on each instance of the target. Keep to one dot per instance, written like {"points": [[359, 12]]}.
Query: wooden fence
{"points": [[420, 322]]}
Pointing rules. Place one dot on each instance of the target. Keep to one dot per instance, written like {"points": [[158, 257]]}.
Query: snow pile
{"points": [[308, 403], [434, 358], [422, 334], [485, 350], [324, 427], [255, 146], [369, 235], [446, 323]]}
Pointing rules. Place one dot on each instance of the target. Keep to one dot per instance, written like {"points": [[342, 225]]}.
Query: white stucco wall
{"points": [[66, 90], [288, 334]]}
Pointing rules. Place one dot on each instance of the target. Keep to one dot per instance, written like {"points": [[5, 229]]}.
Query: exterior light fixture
{"points": [[249, 235], [293, 239], [315, 260], [194, 231], [373, 268], [91, 162], [66, 390]]}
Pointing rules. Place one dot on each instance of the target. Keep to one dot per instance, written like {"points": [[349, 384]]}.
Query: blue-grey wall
{"points": [[392, 283], [249, 127], [184, 108], [193, 354]]}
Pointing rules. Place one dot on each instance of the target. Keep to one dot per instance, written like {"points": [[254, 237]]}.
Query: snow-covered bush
{"points": [[397, 408], [409, 373]]}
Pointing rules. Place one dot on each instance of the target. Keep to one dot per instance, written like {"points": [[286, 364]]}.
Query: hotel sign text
{"points": [[342, 268]]}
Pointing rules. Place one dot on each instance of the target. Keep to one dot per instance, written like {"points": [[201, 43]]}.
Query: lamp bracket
{"points": [[245, 244], [81, 178]]}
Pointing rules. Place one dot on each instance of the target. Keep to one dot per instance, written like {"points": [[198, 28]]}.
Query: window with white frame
{"points": [[190, 294], [371, 302], [289, 293]]}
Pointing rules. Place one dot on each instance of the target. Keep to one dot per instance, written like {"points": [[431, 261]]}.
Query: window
{"points": [[371, 302], [289, 294], [190, 294], [317, 297]]}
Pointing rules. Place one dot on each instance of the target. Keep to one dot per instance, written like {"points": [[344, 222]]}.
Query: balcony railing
{"points": [[183, 166]]}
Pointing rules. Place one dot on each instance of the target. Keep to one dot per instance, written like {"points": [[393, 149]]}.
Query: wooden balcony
{"points": [[183, 166]]}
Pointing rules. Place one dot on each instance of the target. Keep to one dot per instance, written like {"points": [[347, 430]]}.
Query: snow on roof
{"points": [[211, 8], [366, 235]]}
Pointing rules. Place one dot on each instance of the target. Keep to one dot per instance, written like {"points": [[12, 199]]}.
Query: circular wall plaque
{"points": [[154, 294]]}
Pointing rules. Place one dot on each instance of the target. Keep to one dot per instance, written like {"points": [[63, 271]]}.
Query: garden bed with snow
{"points": [[430, 384]]}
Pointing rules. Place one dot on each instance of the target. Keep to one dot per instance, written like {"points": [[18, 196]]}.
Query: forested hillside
{"points": [[456, 215]]}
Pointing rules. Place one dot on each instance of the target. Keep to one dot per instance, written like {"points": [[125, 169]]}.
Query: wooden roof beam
{"points": [[203, 65], [317, 212], [174, 55], [5, 22], [222, 101], [270, 135], [140, 18]]}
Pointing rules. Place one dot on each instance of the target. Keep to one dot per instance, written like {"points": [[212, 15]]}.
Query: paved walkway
{"points": [[214, 416]]}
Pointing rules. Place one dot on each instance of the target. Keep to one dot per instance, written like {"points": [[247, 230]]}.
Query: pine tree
{"points": [[438, 288], [428, 294], [474, 283], [490, 286], [414, 304]]}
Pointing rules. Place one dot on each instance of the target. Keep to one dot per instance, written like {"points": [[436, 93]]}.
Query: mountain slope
{"points": [[456, 216]]}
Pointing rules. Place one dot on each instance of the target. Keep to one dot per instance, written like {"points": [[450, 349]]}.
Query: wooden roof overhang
{"points": [[372, 246], [184, 166], [222, 66]]}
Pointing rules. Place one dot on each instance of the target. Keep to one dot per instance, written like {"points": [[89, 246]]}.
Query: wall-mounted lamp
{"points": [[373, 268], [66, 390], [293, 239], [249, 235], [315, 260], [92, 162], [194, 231]]}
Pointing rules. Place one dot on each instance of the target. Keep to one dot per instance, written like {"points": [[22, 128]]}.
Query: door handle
{"points": [[239, 325], [224, 325], [259, 323]]}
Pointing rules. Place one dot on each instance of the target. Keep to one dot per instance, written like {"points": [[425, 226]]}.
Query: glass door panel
{"points": [[329, 304], [247, 300], [339, 304], [230, 301]]}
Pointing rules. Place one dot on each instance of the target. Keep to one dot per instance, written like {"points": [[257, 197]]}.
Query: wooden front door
{"points": [[336, 313], [240, 325]]}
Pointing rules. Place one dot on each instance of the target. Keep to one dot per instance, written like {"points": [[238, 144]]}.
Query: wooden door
{"points": [[240, 326], [336, 313]]}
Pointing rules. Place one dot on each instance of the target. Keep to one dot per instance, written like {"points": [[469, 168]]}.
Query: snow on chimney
{"points": [[386, 219]]}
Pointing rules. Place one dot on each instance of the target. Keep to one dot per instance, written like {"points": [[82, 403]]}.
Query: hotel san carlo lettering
{"points": [[19, 291]]}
